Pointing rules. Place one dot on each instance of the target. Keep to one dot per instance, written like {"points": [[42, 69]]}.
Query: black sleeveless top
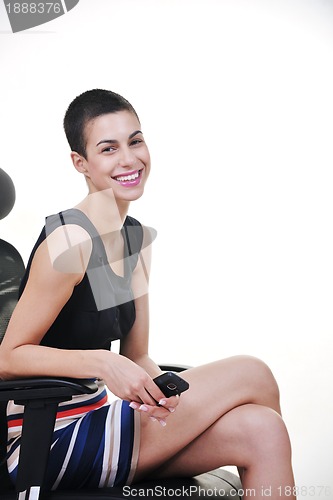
{"points": [[101, 307]]}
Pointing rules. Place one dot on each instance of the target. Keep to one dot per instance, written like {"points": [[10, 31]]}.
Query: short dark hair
{"points": [[86, 107]]}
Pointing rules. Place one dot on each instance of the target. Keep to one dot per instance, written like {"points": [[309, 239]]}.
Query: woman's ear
{"points": [[79, 163]]}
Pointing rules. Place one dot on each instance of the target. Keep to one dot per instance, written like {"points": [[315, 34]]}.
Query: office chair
{"points": [[41, 397]]}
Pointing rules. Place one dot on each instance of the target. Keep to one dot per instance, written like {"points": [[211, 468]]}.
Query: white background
{"points": [[235, 100]]}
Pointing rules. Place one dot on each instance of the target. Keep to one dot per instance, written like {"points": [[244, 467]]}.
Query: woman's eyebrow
{"points": [[113, 141], [134, 133]]}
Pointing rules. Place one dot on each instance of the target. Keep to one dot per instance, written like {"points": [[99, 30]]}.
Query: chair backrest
{"points": [[11, 263], [11, 272]]}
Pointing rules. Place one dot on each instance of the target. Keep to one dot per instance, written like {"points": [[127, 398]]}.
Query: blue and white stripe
{"points": [[97, 448]]}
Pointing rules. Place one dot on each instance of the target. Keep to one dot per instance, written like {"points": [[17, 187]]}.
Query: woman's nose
{"points": [[127, 158]]}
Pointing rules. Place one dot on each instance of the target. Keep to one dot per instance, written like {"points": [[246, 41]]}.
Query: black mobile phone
{"points": [[171, 384]]}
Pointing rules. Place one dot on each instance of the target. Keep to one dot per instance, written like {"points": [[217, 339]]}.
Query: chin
{"points": [[131, 196]]}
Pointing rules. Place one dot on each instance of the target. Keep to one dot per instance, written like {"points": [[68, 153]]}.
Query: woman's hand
{"points": [[128, 381], [158, 412]]}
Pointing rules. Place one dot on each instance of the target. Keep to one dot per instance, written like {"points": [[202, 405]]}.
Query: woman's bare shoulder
{"points": [[68, 248]]}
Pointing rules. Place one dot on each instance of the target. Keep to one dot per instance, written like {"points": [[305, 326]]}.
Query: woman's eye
{"points": [[136, 141], [110, 149]]}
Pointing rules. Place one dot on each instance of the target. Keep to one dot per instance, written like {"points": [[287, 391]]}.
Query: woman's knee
{"points": [[262, 382], [263, 433]]}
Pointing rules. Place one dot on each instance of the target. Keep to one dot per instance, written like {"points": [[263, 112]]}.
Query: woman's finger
{"points": [[151, 411], [170, 403], [161, 421]]}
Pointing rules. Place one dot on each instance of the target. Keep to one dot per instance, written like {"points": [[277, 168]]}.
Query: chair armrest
{"points": [[167, 367], [40, 397], [45, 387]]}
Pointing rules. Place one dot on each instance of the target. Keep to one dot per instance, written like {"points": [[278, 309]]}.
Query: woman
{"points": [[86, 284]]}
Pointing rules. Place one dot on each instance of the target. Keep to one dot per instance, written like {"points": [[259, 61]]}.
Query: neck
{"points": [[104, 211]]}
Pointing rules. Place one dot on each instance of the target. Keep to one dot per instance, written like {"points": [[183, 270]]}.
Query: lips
{"points": [[130, 179]]}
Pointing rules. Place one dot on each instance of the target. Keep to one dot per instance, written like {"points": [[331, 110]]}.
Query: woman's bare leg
{"points": [[230, 416], [251, 437]]}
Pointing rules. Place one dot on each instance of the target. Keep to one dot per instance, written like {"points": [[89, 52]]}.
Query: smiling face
{"points": [[117, 156]]}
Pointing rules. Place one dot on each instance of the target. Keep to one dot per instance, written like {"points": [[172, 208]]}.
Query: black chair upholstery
{"points": [[11, 263], [41, 397], [11, 272]]}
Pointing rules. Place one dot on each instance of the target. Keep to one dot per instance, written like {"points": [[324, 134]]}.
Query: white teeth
{"points": [[124, 178]]}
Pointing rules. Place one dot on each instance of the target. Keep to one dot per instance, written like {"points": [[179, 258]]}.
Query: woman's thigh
{"points": [[215, 389], [252, 437]]}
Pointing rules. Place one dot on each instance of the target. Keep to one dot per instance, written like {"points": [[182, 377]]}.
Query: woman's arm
{"points": [[135, 345], [135, 348], [48, 288]]}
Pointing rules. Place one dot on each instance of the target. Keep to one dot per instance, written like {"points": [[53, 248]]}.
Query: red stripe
{"points": [[82, 409], [66, 413], [15, 423]]}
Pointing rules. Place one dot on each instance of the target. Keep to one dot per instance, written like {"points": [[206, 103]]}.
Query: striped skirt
{"points": [[95, 443]]}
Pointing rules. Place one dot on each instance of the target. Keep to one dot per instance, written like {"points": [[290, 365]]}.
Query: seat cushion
{"points": [[215, 484]]}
